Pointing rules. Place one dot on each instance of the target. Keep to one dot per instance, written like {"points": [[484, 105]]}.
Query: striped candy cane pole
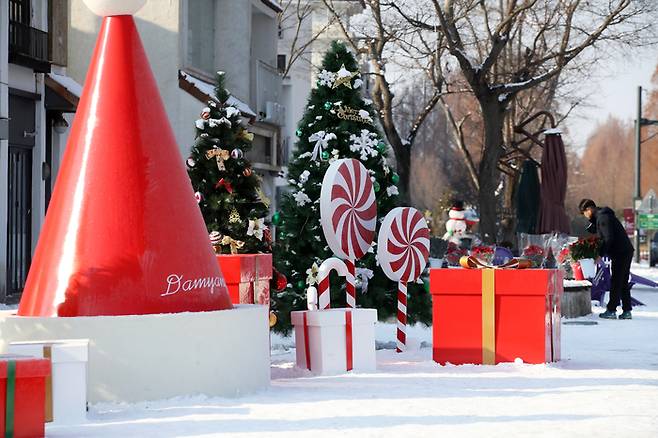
{"points": [[402, 317], [350, 286]]}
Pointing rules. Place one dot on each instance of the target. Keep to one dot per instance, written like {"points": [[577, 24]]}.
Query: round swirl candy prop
{"points": [[403, 248], [348, 214]]}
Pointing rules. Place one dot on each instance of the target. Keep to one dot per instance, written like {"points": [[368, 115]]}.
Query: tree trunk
{"points": [[493, 115], [508, 226], [403, 168]]}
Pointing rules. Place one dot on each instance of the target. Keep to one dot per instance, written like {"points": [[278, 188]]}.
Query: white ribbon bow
{"points": [[365, 275], [321, 140]]}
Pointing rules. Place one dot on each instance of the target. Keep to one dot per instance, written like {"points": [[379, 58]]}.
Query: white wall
{"points": [[233, 39], [158, 23], [264, 36], [136, 358]]}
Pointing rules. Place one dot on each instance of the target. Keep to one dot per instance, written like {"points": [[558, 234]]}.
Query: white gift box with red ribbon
{"points": [[334, 341]]}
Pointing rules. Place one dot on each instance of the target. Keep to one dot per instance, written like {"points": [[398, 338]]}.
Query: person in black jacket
{"points": [[617, 246]]}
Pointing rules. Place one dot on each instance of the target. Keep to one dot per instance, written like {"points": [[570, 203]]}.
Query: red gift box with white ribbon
{"points": [[247, 277]]}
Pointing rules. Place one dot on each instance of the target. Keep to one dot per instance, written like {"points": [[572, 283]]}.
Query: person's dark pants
{"points": [[621, 269]]}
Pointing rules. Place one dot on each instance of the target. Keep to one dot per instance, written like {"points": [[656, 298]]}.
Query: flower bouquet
{"points": [[584, 251], [484, 254], [564, 256], [535, 254], [585, 248], [535, 247], [454, 253]]}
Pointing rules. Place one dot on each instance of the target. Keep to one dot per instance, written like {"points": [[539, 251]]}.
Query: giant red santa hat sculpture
{"points": [[123, 234]]}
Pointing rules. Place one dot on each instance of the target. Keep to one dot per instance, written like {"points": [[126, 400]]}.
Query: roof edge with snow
{"points": [[205, 91]]}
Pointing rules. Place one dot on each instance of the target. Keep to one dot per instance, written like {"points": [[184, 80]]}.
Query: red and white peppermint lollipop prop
{"points": [[403, 250], [348, 214]]}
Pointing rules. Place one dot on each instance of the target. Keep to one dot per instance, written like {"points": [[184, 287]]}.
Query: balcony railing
{"points": [[28, 46], [268, 93]]}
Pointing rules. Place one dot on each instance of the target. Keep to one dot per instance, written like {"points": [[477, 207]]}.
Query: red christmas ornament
{"points": [[224, 183], [281, 282], [247, 172], [205, 115], [111, 243]]}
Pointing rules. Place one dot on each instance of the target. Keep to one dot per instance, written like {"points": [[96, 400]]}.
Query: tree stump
{"points": [[576, 301]]}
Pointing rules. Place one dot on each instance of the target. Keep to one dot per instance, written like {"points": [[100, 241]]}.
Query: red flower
{"points": [[533, 250], [481, 250]]}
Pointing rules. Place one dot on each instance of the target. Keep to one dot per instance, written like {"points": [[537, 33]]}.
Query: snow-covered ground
{"points": [[605, 386]]}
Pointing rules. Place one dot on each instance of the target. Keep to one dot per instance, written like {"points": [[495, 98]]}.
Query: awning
{"points": [[62, 93], [205, 91]]}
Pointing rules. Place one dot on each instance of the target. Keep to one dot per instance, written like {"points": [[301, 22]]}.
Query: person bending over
{"points": [[616, 245]]}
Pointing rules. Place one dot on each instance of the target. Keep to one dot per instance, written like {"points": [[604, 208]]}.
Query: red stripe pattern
{"points": [[402, 317], [350, 285], [353, 210], [404, 244]]}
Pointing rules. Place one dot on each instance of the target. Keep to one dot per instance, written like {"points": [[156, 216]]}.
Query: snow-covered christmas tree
{"points": [[338, 123], [226, 188]]}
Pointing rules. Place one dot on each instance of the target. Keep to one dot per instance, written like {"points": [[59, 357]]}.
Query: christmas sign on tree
{"points": [[339, 123]]}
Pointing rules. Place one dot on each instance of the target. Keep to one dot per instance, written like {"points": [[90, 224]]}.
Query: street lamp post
{"points": [[639, 123]]}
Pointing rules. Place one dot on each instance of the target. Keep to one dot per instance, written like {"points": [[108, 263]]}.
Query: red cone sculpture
{"points": [[123, 234]]}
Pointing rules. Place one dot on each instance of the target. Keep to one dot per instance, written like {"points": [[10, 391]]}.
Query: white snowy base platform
{"points": [[147, 357]]}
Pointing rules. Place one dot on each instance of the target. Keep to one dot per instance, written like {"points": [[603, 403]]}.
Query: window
{"points": [[261, 150], [281, 63], [200, 53], [19, 11]]}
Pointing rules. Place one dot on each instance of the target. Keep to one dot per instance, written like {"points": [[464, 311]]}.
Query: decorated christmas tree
{"points": [[338, 123], [227, 189]]}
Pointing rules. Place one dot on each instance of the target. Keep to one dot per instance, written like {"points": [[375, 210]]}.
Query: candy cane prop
{"points": [[320, 299], [403, 249], [348, 214]]}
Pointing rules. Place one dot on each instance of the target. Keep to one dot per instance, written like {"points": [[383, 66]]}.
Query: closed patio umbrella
{"points": [[553, 188], [527, 199]]}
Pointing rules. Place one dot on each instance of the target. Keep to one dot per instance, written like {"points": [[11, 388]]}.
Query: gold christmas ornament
{"points": [[273, 319], [234, 217], [243, 134], [344, 77], [221, 155]]}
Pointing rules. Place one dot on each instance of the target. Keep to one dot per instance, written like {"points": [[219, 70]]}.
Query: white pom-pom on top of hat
{"points": [[107, 8]]}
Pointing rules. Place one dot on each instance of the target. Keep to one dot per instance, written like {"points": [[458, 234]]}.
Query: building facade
{"points": [[300, 79], [187, 42], [37, 102], [45, 50]]}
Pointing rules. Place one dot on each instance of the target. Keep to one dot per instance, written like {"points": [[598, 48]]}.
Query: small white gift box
{"points": [[69, 375], [323, 338]]}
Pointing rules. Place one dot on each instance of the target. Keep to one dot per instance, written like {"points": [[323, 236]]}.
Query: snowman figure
{"points": [[456, 225]]}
